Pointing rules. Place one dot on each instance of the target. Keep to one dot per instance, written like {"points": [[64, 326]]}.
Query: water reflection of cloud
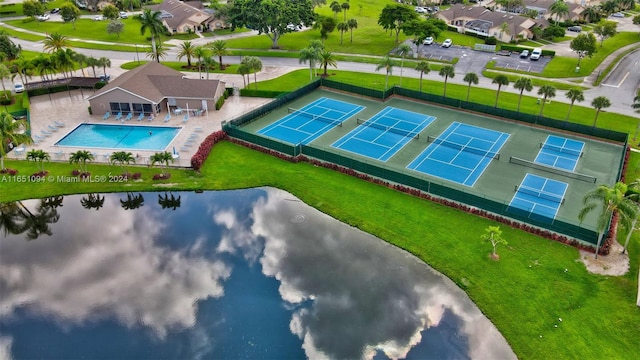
{"points": [[107, 264], [367, 295], [5, 347]]}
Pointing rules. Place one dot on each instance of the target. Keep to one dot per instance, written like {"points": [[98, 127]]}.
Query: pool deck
{"points": [[72, 109]]}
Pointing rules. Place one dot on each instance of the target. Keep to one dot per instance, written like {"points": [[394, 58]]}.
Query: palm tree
{"points": [[169, 202], [255, 64], [5, 73], [336, 8], [63, 60], [105, 62], [54, 42], [22, 67], [201, 52], [447, 72], [39, 157], [160, 53], [636, 103], [186, 50], [345, 6], [311, 55], [81, 157], [12, 132], [424, 68], [123, 158], [559, 8], [504, 28], [547, 92], [574, 95], [500, 80], [522, 84], [243, 70], [599, 103], [470, 78], [93, 62], [163, 158], [130, 4], [152, 22], [219, 49], [353, 24], [342, 27], [81, 60], [92, 201], [633, 194], [403, 50], [387, 64], [610, 200], [326, 58], [12, 219], [591, 14], [43, 65], [133, 201], [38, 224]]}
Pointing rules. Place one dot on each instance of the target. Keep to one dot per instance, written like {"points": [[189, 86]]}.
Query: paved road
{"points": [[624, 80], [621, 97]]}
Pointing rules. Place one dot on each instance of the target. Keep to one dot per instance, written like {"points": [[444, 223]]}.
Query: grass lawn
{"points": [[181, 66], [368, 39], [557, 110], [563, 66], [535, 283], [536, 82]]}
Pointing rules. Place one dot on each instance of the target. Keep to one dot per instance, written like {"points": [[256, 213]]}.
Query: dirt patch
{"points": [[614, 264]]}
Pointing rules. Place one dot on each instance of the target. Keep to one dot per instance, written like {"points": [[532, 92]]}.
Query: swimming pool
{"points": [[129, 137]]}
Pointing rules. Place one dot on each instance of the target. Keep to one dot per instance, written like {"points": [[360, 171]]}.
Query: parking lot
{"points": [[478, 59]]}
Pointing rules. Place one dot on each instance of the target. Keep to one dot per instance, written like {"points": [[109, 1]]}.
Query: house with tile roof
{"points": [[154, 88], [482, 21], [543, 6], [185, 17]]}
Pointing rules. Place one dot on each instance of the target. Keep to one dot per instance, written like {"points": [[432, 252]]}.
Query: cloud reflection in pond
{"points": [[365, 294]]}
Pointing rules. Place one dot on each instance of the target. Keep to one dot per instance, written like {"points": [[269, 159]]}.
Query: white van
{"points": [[536, 54]]}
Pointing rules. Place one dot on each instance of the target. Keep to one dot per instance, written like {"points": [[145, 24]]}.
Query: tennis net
{"points": [[561, 149], [465, 148], [571, 174], [314, 116], [540, 194], [392, 129]]}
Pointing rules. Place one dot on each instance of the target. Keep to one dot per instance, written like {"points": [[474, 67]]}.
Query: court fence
{"points": [[233, 129]]}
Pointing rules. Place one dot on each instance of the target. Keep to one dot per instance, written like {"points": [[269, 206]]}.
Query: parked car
{"points": [[447, 43], [617, 15], [18, 88], [43, 17], [420, 10], [55, 10], [536, 54], [427, 41], [105, 78], [574, 28], [293, 27], [524, 54], [123, 15], [98, 18]]}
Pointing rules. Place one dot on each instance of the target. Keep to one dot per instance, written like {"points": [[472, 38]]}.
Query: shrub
{"points": [[220, 102], [261, 93], [161, 176], [10, 172], [205, 148], [491, 40]]}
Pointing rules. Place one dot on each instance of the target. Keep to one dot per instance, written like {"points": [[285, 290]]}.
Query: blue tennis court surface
{"points": [[312, 121], [384, 134], [539, 196], [460, 154], [559, 152]]}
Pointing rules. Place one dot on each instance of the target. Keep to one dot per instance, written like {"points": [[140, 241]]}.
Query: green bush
{"points": [[261, 93], [516, 48], [490, 40], [220, 102]]}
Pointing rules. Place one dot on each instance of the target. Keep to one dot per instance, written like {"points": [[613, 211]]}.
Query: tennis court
{"points": [[384, 134], [539, 196], [312, 121], [559, 152], [460, 154]]}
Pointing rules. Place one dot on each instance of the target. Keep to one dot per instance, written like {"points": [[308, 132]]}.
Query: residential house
{"points": [[479, 20], [153, 88], [185, 17], [542, 7]]}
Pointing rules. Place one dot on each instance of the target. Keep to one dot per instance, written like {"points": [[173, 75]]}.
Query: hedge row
{"points": [[517, 48], [261, 93]]}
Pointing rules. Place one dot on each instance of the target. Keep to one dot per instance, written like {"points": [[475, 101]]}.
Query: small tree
{"points": [[605, 29], [219, 49], [69, 13], [470, 78], [574, 95], [493, 234], [522, 84], [599, 103], [111, 12], [387, 64], [163, 158], [352, 24], [326, 59], [32, 8], [81, 157], [115, 27], [584, 45], [39, 157], [342, 27], [500, 80], [123, 158]]}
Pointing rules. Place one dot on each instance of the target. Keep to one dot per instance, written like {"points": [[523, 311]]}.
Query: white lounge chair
{"points": [[45, 133], [129, 116], [106, 115], [52, 128], [19, 150], [59, 124], [167, 118], [119, 116], [185, 118], [151, 117], [197, 129], [140, 117]]}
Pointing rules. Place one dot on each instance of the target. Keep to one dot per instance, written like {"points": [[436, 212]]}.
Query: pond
{"points": [[251, 274]]}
